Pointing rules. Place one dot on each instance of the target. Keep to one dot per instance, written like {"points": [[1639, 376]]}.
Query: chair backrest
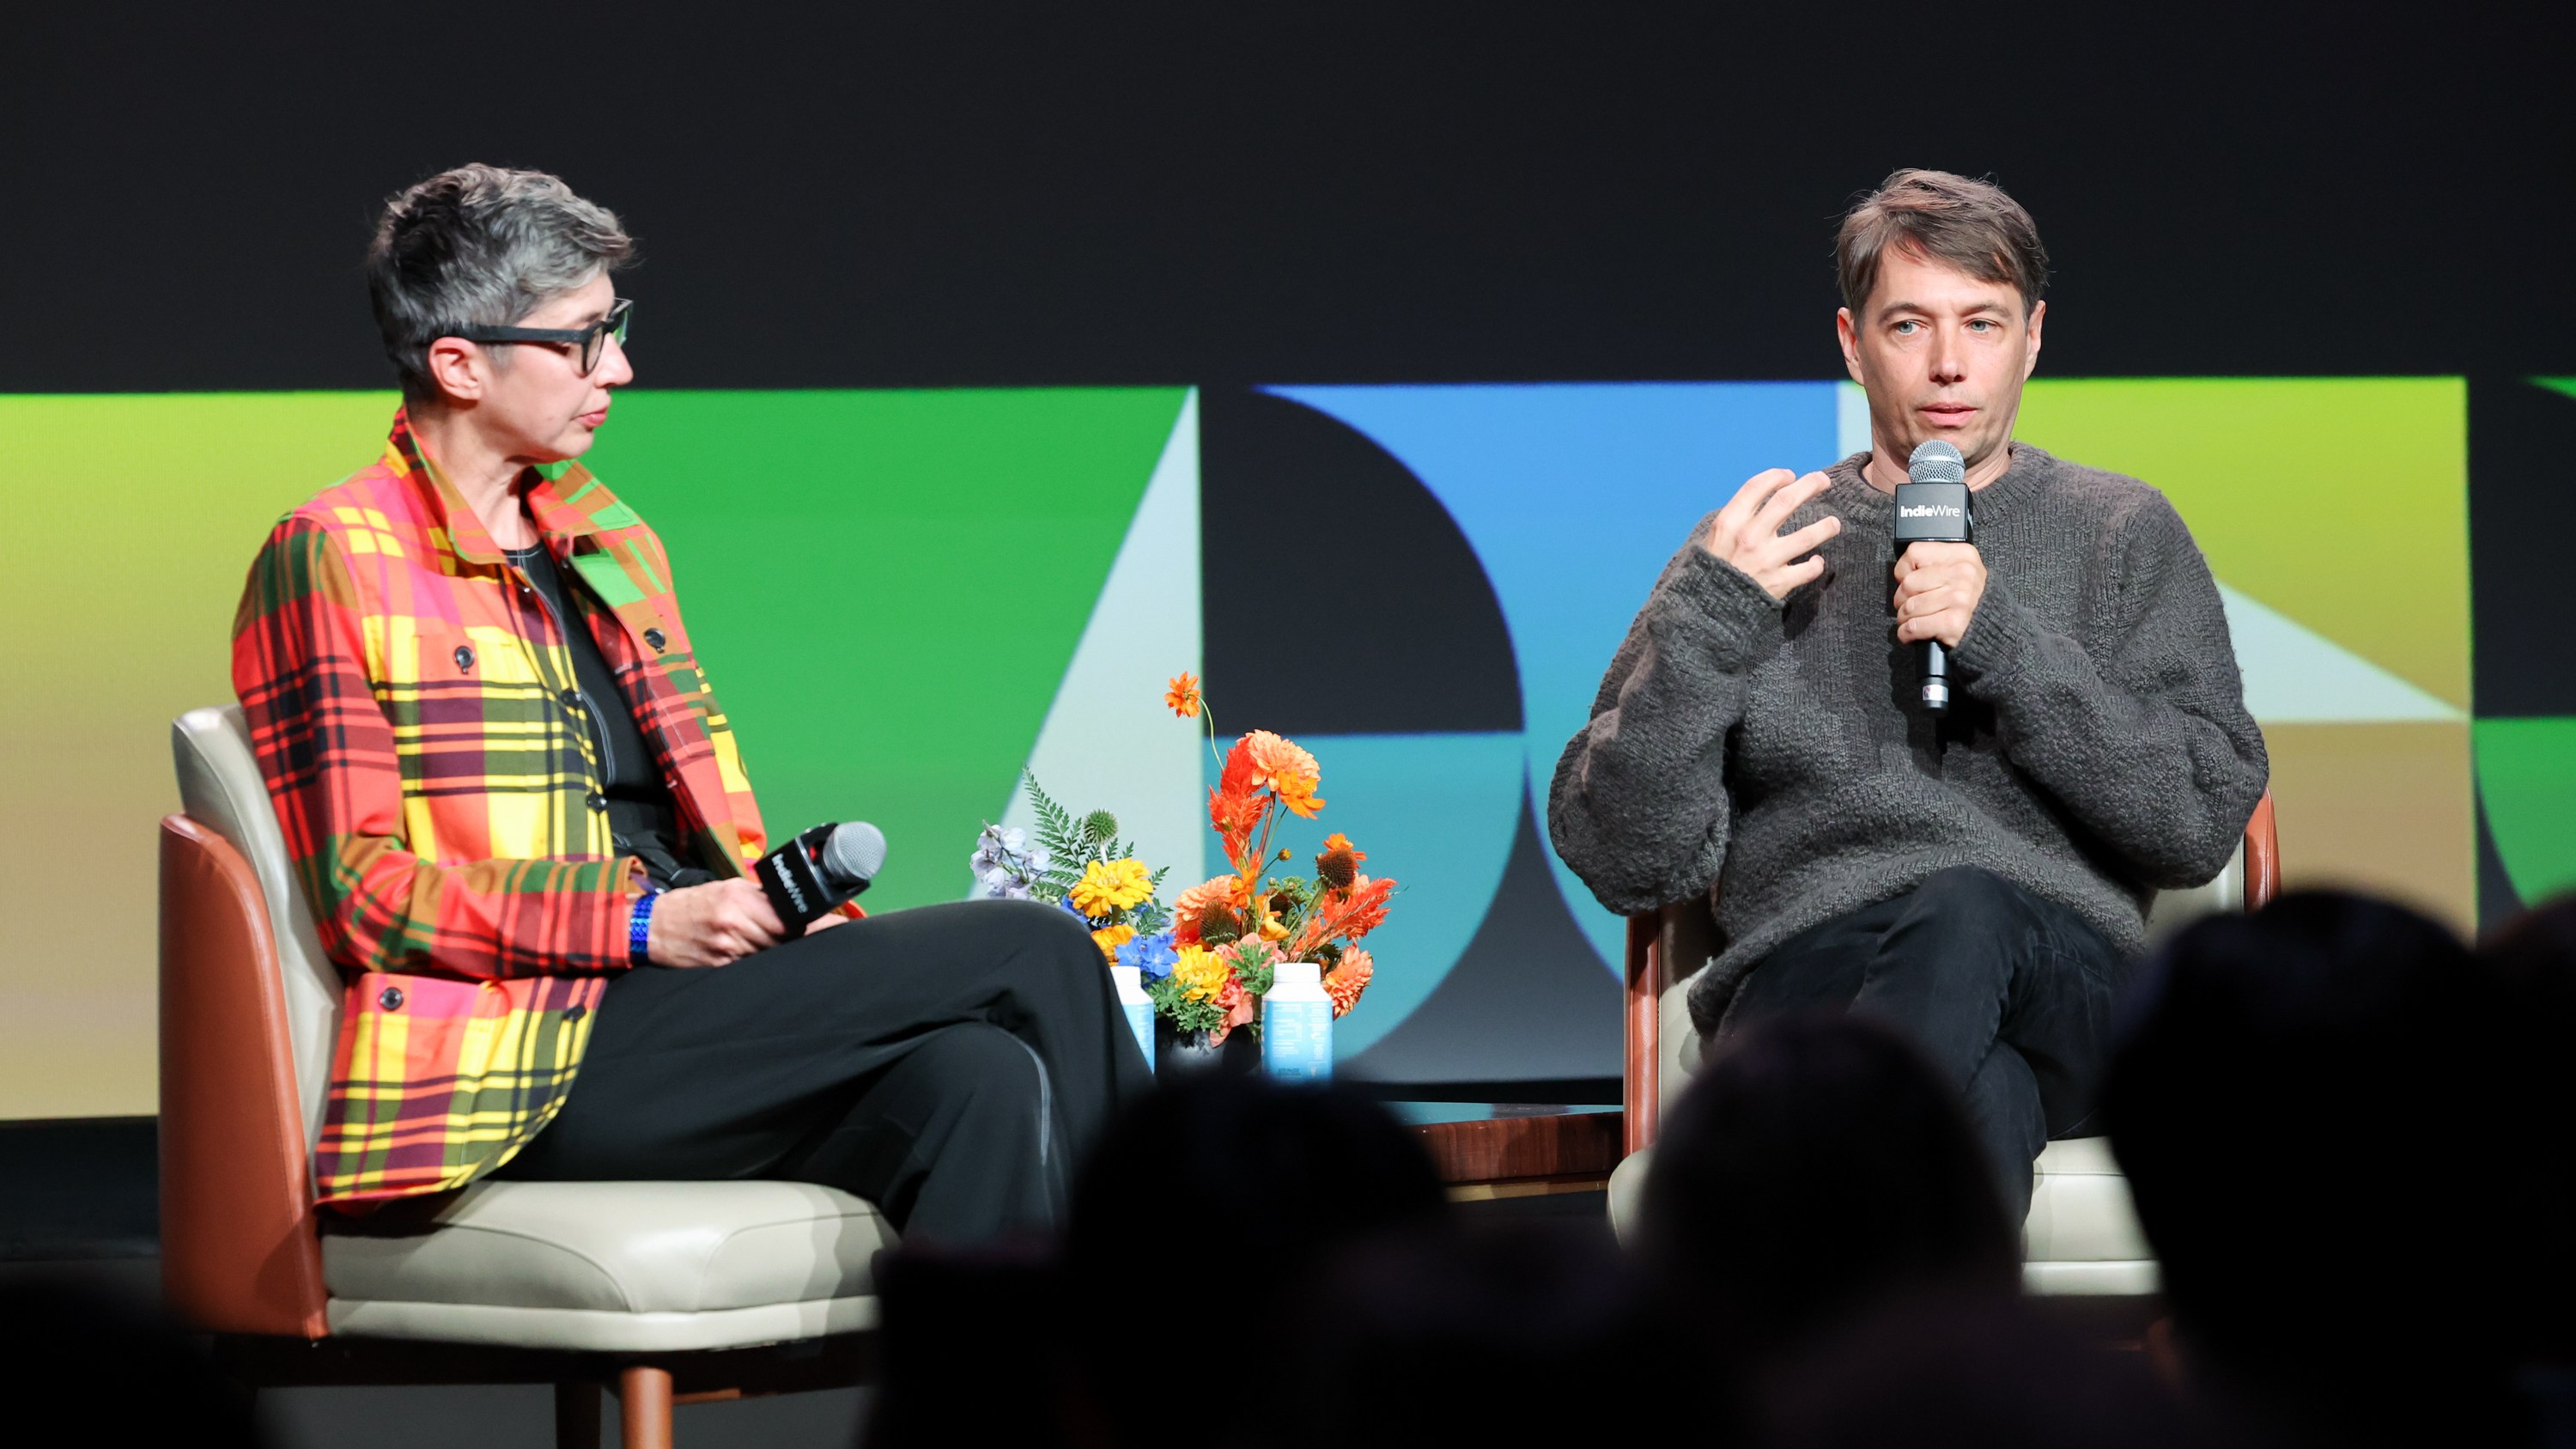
{"points": [[240, 1250], [220, 788]]}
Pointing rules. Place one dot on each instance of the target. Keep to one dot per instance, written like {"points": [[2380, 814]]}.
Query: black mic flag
{"points": [[1933, 508], [820, 869]]}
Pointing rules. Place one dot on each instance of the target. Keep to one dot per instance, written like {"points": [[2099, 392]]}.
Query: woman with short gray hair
{"points": [[524, 829]]}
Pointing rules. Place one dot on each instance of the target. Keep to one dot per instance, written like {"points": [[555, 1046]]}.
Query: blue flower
{"points": [[1068, 908], [1152, 956], [1005, 866]]}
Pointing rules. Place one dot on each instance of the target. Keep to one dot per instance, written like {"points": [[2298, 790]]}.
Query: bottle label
{"points": [[1297, 1040], [1140, 1020]]}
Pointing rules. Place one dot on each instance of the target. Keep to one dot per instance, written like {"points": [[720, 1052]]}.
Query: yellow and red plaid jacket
{"points": [[409, 701]]}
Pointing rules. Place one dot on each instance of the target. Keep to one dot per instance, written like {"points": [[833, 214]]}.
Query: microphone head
{"points": [[1936, 462], [855, 850]]}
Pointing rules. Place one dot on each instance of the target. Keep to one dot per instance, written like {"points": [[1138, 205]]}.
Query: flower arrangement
{"points": [[1229, 933], [1079, 864]]}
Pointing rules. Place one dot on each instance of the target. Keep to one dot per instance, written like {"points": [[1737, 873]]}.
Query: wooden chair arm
{"points": [[1640, 1085], [2262, 856]]}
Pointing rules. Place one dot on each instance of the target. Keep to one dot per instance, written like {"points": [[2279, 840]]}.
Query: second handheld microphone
{"points": [[1933, 508], [820, 869]]}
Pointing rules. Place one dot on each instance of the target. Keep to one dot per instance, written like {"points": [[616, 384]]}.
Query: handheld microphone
{"points": [[1933, 508], [820, 869]]}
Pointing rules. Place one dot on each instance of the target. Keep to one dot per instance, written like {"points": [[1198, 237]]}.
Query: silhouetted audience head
{"points": [[2533, 959], [951, 1316], [1514, 1334], [2309, 1105], [1817, 1166], [1205, 1202], [105, 1370], [1982, 1371]]}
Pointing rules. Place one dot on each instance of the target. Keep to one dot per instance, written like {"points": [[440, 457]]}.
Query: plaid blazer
{"points": [[414, 711]]}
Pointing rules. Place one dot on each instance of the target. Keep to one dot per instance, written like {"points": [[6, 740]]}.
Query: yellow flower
{"points": [[1111, 885], [1110, 938], [1202, 972]]}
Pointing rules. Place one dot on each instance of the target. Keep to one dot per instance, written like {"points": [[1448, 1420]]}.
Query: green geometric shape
{"points": [[886, 587], [2527, 780], [127, 524], [2566, 385], [2340, 503]]}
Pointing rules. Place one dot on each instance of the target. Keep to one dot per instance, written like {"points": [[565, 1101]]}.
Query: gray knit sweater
{"points": [[1770, 753]]}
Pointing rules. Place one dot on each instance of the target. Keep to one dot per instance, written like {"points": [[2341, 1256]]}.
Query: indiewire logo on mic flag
{"points": [[795, 890], [1931, 510]]}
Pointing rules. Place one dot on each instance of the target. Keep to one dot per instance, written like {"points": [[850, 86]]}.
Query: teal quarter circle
{"points": [[1437, 813]]}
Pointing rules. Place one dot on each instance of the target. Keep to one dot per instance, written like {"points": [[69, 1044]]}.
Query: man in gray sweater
{"points": [[1981, 878]]}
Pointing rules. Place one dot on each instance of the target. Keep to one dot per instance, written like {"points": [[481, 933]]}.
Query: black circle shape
{"points": [[1337, 595]]}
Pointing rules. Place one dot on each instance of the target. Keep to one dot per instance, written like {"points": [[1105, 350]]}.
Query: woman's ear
{"points": [[459, 369]]}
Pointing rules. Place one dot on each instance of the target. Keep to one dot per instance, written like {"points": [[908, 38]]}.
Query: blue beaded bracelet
{"points": [[639, 930]]}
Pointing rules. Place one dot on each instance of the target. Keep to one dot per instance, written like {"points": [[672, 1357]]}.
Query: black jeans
{"points": [[2008, 995], [948, 1063]]}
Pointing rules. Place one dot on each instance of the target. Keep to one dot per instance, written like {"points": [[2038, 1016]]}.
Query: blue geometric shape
{"points": [[1573, 497]]}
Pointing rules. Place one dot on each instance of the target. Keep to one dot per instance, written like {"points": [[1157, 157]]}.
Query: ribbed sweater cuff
{"points": [[1999, 637], [1727, 613]]}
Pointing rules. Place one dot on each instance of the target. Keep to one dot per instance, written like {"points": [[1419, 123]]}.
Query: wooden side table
{"points": [[1524, 1156]]}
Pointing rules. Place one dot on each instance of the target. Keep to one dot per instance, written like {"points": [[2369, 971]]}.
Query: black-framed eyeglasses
{"points": [[589, 341]]}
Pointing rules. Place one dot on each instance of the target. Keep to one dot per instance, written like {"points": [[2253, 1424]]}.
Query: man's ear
{"points": [[2030, 361], [1849, 334], [458, 368]]}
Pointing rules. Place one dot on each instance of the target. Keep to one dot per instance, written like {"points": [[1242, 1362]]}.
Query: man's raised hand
{"points": [[1746, 532]]}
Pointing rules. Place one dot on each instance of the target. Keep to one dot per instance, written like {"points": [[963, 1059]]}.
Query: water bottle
{"points": [[1297, 1025], [1139, 1007]]}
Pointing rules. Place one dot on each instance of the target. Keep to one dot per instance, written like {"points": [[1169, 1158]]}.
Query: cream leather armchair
{"points": [[665, 1289], [2081, 1238]]}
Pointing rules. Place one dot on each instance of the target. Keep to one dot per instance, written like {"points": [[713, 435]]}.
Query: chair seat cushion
{"points": [[2080, 1210], [2081, 1237], [617, 1247]]}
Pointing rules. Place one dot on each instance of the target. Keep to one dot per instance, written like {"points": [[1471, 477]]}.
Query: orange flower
{"points": [[1242, 774], [1235, 814], [1365, 911], [1193, 905], [1348, 915], [1235, 806], [1345, 982], [1238, 1006], [1183, 696], [1275, 759], [1288, 771], [1339, 866]]}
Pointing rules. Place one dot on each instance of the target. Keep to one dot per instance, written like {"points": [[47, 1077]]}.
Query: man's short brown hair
{"points": [[1941, 217]]}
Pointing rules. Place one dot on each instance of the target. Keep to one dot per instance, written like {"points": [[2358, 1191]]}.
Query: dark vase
{"points": [[1190, 1054]]}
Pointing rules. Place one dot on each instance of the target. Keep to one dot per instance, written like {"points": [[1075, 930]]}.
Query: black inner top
{"points": [[641, 813]]}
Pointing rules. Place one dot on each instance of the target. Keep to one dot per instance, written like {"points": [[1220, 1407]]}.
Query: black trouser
{"points": [[948, 1063], [2007, 994]]}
